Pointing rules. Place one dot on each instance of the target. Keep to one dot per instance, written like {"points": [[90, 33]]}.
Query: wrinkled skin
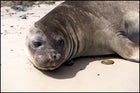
{"points": [[90, 28]]}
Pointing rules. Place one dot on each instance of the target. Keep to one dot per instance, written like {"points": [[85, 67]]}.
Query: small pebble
{"points": [[7, 10], [11, 50], [98, 74], [107, 62], [23, 17]]}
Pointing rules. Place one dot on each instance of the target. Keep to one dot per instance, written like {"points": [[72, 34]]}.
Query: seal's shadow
{"points": [[64, 72]]}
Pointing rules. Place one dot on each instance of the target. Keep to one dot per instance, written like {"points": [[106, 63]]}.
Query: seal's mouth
{"points": [[48, 61], [47, 66], [44, 63]]}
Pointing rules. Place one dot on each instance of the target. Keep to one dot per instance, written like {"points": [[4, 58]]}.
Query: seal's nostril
{"points": [[54, 56], [36, 43]]}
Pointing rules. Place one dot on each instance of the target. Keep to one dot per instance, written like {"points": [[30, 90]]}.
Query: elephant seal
{"points": [[77, 28]]}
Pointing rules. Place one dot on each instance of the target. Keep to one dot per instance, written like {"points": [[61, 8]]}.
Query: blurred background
{"points": [[22, 5]]}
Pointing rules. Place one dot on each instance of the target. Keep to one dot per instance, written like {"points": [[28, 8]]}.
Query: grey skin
{"points": [[90, 28]]}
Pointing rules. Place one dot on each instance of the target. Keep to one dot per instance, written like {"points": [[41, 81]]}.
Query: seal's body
{"points": [[90, 28]]}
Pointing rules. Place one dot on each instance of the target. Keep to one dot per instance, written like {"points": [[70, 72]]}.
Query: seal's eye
{"points": [[36, 43], [59, 43]]}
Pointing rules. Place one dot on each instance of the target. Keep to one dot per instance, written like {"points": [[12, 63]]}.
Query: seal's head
{"points": [[46, 47]]}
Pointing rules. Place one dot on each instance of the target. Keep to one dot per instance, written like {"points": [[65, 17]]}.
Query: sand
{"points": [[87, 74]]}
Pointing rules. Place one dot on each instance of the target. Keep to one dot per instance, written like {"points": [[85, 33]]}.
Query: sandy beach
{"points": [[87, 74]]}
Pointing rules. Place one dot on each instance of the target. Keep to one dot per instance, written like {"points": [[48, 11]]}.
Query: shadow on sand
{"points": [[65, 72]]}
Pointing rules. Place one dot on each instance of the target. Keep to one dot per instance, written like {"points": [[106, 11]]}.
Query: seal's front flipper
{"points": [[125, 48]]}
